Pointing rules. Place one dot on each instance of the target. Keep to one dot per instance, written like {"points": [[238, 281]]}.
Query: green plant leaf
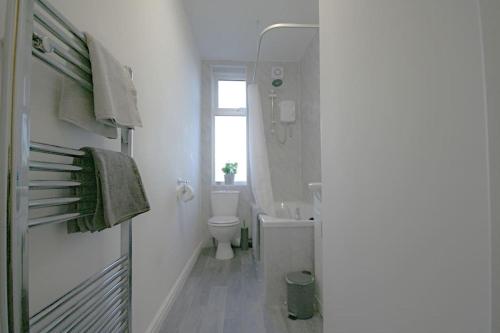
{"points": [[230, 168]]}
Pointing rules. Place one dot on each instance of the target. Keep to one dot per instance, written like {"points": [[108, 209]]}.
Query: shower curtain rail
{"points": [[278, 26]]}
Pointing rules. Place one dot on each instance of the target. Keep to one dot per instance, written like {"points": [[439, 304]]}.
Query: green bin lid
{"points": [[302, 278]]}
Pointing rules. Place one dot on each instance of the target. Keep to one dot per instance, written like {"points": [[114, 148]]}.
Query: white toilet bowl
{"points": [[224, 229]]}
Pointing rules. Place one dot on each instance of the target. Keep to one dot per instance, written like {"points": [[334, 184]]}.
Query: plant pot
{"points": [[229, 179]]}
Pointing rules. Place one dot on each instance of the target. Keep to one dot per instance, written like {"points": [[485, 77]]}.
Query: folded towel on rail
{"points": [[115, 97], [113, 102], [77, 107], [111, 190]]}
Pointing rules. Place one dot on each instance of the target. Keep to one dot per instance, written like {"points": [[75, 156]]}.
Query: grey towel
{"points": [[112, 190]]}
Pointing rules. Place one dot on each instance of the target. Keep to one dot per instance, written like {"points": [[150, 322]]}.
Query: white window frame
{"points": [[218, 74]]}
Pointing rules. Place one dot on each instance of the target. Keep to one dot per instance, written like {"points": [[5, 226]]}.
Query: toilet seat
{"points": [[223, 221]]}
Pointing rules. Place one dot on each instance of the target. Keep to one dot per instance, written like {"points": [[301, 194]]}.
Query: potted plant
{"points": [[229, 170]]}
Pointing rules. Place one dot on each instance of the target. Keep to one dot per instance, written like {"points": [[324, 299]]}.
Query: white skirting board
{"points": [[165, 307]]}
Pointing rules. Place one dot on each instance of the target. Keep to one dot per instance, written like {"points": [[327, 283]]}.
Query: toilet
{"points": [[224, 225]]}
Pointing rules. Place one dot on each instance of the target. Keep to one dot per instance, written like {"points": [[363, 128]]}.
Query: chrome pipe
{"points": [[36, 222], [101, 310], [78, 46], [84, 301], [61, 19], [121, 328], [107, 327], [95, 312], [15, 108], [119, 324], [278, 26], [62, 69], [77, 290], [105, 322], [51, 202], [52, 184], [56, 167], [66, 56], [115, 322], [127, 147], [56, 150], [47, 46], [113, 294]]}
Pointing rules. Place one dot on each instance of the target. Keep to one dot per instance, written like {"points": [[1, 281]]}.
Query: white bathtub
{"points": [[285, 244], [286, 214]]}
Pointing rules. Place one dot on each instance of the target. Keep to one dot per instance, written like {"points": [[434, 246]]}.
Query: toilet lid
{"points": [[224, 220]]}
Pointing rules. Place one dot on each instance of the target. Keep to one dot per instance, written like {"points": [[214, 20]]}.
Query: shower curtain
{"points": [[260, 175]]}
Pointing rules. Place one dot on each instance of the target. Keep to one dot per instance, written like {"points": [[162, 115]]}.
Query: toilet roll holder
{"points": [[183, 187]]}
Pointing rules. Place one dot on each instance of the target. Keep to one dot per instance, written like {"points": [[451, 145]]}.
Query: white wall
{"points": [[490, 14], [211, 20], [154, 39], [404, 166]]}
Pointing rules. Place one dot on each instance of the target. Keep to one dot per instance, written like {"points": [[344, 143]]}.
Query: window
{"points": [[229, 122], [232, 94]]}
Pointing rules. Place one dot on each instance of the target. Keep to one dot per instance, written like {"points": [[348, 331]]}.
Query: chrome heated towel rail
{"points": [[101, 303]]}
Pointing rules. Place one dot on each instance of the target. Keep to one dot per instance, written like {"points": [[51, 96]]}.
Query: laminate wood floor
{"points": [[227, 296]]}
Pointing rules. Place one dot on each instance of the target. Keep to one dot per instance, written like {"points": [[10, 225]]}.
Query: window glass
{"points": [[232, 94], [230, 145]]}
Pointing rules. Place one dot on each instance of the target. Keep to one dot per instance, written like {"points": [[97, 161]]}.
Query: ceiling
{"points": [[229, 29]]}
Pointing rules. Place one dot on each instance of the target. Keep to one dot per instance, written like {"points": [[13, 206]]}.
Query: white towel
{"points": [[115, 97], [76, 106], [113, 103]]}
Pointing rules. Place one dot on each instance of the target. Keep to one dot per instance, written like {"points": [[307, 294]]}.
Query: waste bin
{"points": [[300, 294]]}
